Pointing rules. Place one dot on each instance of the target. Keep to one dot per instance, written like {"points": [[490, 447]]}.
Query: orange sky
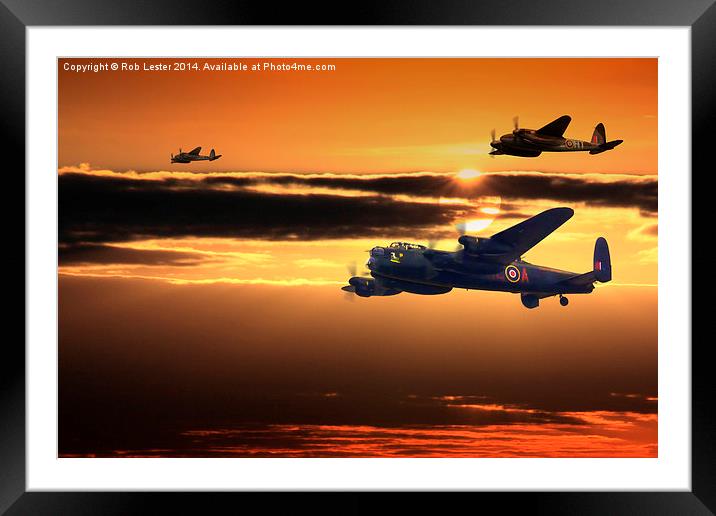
{"points": [[368, 115]]}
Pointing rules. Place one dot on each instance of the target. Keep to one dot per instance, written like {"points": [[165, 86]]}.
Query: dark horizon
{"points": [[150, 369]]}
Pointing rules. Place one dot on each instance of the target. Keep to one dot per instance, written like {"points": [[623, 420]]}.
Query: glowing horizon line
{"points": [[86, 168], [629, 285], [296, 282]]}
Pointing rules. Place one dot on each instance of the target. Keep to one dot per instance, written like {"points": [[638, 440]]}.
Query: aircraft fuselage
{"points": [[188, 158], [527, 142], [410, 271], [483, 263]]}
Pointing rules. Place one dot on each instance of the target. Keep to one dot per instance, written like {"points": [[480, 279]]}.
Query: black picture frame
{"points": [[17, 15]]}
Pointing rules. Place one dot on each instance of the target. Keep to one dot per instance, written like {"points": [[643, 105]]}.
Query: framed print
{"points": [[323, 257]]}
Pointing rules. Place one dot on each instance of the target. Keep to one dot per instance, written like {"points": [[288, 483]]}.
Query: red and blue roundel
{"points": [[512, 274]]}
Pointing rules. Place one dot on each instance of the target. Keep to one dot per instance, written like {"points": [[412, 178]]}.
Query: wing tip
{"points": [[564, 211]]}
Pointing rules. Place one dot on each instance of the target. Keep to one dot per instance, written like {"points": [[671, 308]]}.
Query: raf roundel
{"points": [[512, 274]]}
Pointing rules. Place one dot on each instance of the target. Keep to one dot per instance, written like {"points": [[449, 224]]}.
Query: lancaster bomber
{"points": [[530, 143], [193, 155], [493, 263]]}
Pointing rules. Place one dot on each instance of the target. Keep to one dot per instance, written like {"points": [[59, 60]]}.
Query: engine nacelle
{"points": [[367, 287], [478, 245], [530, 300]]}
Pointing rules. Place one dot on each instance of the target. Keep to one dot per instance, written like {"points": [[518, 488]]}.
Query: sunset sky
{"points": [[200, 308], [368, 115]]}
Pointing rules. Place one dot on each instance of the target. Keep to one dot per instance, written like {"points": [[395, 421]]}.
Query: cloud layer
{"points": [[79, 254], [112, 207]]}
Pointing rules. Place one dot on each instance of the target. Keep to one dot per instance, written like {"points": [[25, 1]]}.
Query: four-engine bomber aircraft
{"points": [[493, 263], [193, 155], [530, 143]]}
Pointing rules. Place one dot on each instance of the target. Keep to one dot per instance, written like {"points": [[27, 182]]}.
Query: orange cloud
{"points": [[600, 434]]}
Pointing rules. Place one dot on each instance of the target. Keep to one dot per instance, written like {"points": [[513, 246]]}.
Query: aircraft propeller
{"points": [[349, 290], [461, 228], [492, 140], [352, 268], [349, 293], [516, 122]]}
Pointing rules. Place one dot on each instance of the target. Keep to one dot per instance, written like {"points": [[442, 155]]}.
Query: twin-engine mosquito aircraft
{"points": [[493, 263], [193, 155], [530, 143]]}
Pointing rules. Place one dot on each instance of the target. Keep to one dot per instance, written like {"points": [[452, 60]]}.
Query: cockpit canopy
{"points": [[406, 245]]}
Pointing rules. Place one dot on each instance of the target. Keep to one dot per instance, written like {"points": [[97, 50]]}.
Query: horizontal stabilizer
{"points": [[601, 271], [580, 280], [606, 146]]}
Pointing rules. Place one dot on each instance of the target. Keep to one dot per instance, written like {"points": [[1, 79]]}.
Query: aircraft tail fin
{"points": [[599, 137], [602, 261], [213, 155], [601, 269]]}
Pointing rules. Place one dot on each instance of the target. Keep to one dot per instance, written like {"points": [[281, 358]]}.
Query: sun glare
{"points": [[468, 173], [475, 225]]}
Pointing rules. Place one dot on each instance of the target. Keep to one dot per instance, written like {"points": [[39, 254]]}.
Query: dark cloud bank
{"points": [[78, 254], [101, 209], [639, 193]]}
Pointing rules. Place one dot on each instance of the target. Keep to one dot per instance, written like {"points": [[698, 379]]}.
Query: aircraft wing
{"points": [[556, 128], [195, 152], [528, 233]]}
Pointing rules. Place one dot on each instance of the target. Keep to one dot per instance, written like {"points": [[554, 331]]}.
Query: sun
{"points": [[468, 173]]}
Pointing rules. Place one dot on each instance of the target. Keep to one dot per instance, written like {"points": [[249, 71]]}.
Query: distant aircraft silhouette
{"points": [[193, 155]]}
